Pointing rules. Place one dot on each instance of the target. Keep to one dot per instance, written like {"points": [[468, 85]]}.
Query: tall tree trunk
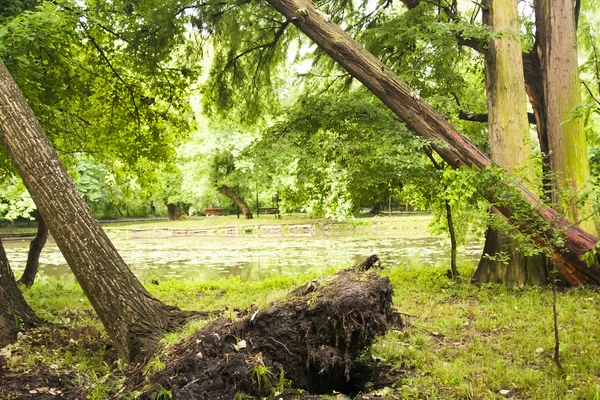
{"points": [[35, 249], [15, 313], [510, 143], [556, 32], [132, 317], [229, 192], [174, 212], [422, 119]]}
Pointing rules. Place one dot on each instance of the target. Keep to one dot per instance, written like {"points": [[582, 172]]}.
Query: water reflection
{"points": [[249, 255]]}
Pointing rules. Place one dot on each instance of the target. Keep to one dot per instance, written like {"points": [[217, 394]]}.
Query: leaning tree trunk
{"points": [[15, 313], [229, 192], [422, 119], [132, 317], [35, 249], [556, 31], [510, 144]]}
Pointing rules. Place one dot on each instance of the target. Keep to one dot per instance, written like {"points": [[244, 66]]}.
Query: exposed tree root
{"points": [[312, 339]]}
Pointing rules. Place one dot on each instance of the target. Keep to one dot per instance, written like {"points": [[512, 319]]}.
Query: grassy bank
{"points": [[460, 341]]}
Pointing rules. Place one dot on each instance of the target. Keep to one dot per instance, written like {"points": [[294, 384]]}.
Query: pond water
{"points": [[252, 255]]}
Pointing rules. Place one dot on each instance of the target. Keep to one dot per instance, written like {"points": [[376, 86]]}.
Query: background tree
{"points": [[15, 313]]}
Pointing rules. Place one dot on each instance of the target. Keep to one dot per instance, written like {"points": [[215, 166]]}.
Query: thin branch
{"points": [[590, 92], [466, 116], [115, 72], [261, 47]]}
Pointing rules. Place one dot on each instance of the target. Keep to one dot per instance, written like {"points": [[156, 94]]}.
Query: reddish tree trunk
{"points": [[15, 313], [422, 119], [35, 249], [133, 318]]}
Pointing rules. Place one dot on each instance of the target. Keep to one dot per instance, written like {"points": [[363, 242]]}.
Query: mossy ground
{"points": [[461, 341]]}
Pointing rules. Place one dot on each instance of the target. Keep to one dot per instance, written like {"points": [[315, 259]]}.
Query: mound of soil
{"points": [[312, 339]]}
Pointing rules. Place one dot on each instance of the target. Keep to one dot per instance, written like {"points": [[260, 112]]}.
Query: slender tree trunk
{"points": [[174, 212], [510, 143], [453, 244], [422, 119], [229, 192], [35, 249], [132, 317], [556, 32], [15, 313], [535, 91]]}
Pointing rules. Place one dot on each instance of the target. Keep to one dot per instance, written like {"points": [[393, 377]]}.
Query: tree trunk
{"points": [[510, 143], [422, 119], [556, 32], [453, 245], [501, 263], [15, 313], [35, 249], [532, 70], [229, 192], [376, 209], [132, 317], [174, 212]]}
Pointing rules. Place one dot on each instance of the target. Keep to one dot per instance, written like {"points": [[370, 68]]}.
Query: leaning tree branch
{"points": [[473, 117], [454, 148]]}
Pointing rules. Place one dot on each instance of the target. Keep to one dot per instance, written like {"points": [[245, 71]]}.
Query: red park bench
{"points": [[214, 211]]}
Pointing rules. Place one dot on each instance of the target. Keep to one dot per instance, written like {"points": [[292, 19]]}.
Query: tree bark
{"points": [[510, 143], [507, 266], [174, 212], [556, 32], [132, 317], [35, 249], [15, 313], [423, 120], [229, 192]]}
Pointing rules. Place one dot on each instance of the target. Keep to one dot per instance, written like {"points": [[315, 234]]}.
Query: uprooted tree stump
{"points": [[312, 339]]}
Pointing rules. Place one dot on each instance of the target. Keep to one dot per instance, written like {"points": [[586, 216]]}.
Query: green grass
{"points": [[460, 341]]}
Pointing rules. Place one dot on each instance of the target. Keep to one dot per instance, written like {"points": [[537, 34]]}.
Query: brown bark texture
{"points": [[35, 249], [423, 120], [510, 268], [229, 192], [132, 317], [15, 313]]}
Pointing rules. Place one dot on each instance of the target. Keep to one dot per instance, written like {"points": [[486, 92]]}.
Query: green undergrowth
{"points": [[460, 340]]}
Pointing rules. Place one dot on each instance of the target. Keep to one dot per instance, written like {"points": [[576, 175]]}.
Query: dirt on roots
{"points": [[311, 341]]}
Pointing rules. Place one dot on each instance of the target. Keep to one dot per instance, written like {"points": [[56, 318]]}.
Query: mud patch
{"points": [[310, 341]]}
